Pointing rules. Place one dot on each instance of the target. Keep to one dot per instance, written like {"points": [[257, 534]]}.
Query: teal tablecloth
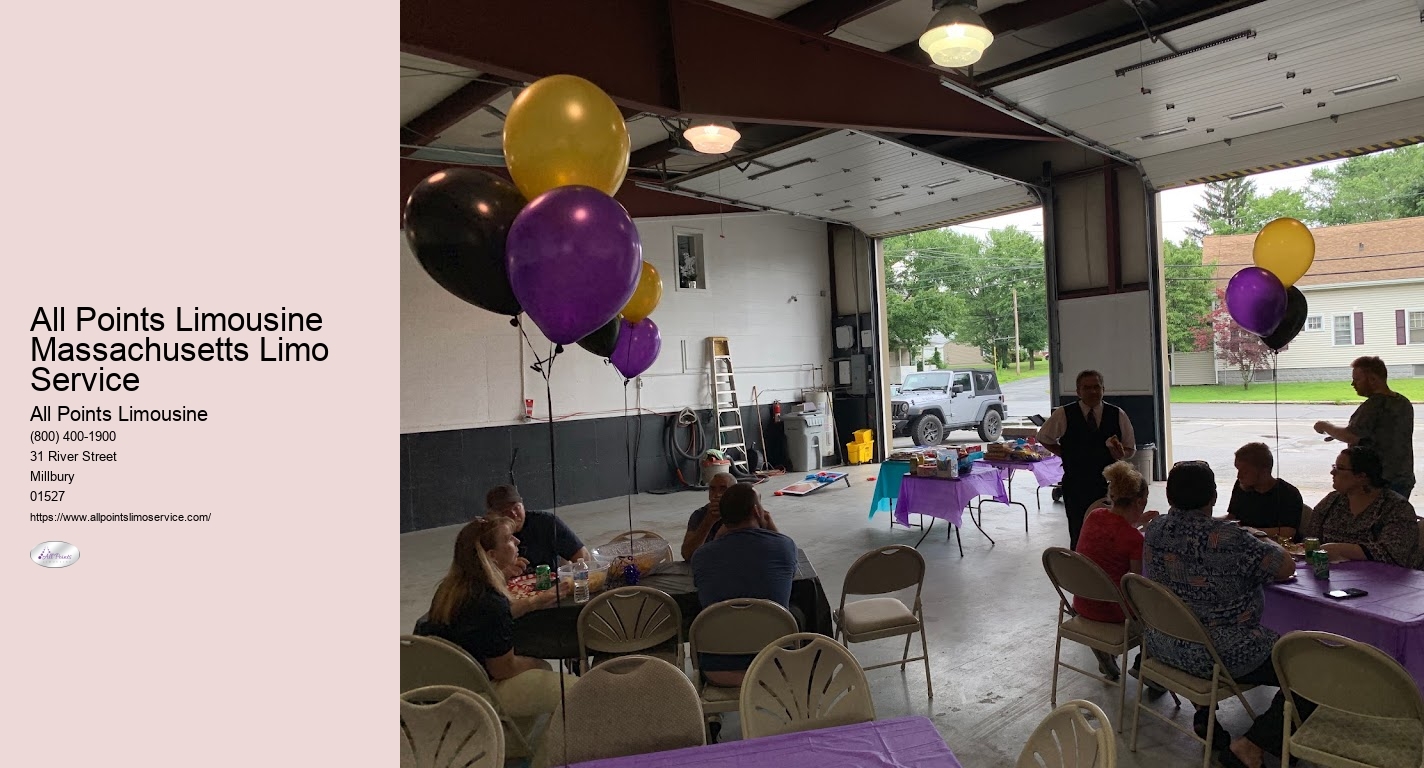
{"points": [[887, 486]]}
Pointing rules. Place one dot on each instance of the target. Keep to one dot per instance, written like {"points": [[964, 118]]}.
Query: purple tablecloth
{"points": [[1390, 617], [946, 499], [1049, 471], [905, 742]]}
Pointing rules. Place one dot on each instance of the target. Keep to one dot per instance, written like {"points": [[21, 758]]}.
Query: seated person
{"points": [[706, 520], [1110, 538], [543, 538], [748, 559], [473, 610], [1260, 501], [1362, 519], [1219, 570]]}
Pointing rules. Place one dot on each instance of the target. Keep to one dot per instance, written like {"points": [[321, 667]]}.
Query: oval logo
{"points": [[55, 554]]}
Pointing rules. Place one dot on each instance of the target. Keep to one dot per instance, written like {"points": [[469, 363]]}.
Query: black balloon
{"points": [[1291, 324], [602, 341], [456, 222]]}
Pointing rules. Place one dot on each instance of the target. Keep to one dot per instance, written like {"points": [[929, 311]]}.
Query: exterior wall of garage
{"points": [[465, 372]]}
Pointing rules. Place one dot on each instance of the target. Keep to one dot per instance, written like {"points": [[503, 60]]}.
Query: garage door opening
{"points": [[967, 341], [1364, 294]]}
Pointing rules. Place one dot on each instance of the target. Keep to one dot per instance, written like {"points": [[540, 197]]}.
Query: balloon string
{"points": [[1276, 395], [545, 368], [628, 451]]}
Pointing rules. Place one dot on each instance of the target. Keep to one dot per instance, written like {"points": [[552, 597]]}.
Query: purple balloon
{"points": [[1256, 300], [574, 260], [638, 346]]}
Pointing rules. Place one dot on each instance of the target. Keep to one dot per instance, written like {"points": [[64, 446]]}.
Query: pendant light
{"points": [[711, 137], [956, 36]]}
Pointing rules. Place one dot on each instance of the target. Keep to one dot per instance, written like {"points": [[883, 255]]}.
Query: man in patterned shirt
{"points": [[1218, 570]]}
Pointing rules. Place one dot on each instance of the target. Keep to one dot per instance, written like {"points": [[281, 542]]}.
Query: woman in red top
{"points": [[1111, 537]]}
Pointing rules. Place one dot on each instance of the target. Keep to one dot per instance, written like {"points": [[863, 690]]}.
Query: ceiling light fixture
{"points": [[711, 137], [883, 198], [1367, 84], [956, 36], [1256, 111], [939, 184]]}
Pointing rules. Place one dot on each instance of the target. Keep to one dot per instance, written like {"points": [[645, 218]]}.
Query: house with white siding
{"points": [[1365, 293]]}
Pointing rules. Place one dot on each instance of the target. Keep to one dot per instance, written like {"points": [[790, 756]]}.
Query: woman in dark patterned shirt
{"points": [[1218, 570], [1362, 519]]}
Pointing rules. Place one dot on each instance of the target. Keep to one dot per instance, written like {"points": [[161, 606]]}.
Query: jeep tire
{"points": [[927, 430], [992, 427]]}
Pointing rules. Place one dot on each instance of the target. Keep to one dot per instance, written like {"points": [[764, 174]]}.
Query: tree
{"points": [[1222, 208], [1012, 260], [1384, 185], [1190, 290], [1258, 211], [1235, 346], [921, 270], [937, 360]]}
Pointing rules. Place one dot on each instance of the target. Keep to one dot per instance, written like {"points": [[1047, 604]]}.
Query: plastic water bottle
{"points": [[580, 581]]}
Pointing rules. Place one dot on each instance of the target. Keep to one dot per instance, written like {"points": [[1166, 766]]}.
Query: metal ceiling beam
{"points": [[824, 16], [1126, 35], [674, 57], [473, 96], [640, 201]]}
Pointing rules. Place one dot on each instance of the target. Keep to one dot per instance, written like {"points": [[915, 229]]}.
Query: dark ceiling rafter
{"points": [[823, 16], [473, 96], [1125, 35], [672, 59], [640, 201]]}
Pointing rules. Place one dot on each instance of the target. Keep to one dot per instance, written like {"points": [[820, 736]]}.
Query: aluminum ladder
{"points": [[727, 411]]}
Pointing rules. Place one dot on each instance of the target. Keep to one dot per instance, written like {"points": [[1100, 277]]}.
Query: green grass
{"points": [[1339, 392], [1007, 376]]}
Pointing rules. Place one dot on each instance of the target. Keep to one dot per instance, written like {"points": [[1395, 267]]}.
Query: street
{"points": [[1213, 431]]}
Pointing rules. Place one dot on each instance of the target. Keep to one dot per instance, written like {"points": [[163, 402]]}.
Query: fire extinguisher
{"points": [[776, 412], [528, 409]]}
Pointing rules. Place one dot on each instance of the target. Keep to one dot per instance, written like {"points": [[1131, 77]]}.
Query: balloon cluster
{"points": [[1263, 299], [554, 244]]}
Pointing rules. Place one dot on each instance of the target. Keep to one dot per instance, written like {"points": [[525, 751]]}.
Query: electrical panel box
{"points": [[859, 374]]}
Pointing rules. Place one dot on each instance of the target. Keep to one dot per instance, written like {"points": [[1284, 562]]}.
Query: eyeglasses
{"points": [[1337, 468]]}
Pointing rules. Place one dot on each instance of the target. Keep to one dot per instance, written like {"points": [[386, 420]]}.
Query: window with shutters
{"points": [[1416, 327], [1344, 326]]}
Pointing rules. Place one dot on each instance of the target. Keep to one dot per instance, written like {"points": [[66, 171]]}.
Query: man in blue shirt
{"points": [[543, 538], [749, 558]]}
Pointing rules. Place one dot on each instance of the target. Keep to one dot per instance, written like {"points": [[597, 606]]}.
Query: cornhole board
{"points": [[807, 487]]}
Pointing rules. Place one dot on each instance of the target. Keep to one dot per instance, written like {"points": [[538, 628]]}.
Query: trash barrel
{"points": [[1142, 460], [803, 441]]}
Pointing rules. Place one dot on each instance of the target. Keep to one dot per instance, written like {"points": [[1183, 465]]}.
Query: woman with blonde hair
{"points": [[472, 609], [1111, 537]]}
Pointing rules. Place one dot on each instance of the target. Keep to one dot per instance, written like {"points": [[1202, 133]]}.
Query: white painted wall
{"points": [[1316, 348], [463, 367]]}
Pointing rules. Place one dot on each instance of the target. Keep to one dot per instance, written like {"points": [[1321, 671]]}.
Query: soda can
{"points": [[1319, 563], [542, 580], [1312, 544]]}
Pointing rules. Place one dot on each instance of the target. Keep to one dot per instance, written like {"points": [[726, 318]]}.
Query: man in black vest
{"points": [[1089, 435]]}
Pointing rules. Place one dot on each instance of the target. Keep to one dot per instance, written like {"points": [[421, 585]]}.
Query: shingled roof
{"points": [[1352, 253]]}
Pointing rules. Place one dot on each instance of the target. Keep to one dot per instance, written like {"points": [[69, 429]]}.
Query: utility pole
{"points": [[1018, 364]]}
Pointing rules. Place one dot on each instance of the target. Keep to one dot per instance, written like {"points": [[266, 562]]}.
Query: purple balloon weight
{"points": [[574, 259], [638, 346], [1256, 300]]}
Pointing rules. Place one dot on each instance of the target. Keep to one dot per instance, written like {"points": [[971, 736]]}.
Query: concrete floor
{"points": [[990, 613]]}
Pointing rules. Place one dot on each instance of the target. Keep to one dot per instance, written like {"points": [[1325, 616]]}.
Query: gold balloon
{"points": [[564, 130], [646, 296], [1286, 249]]}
